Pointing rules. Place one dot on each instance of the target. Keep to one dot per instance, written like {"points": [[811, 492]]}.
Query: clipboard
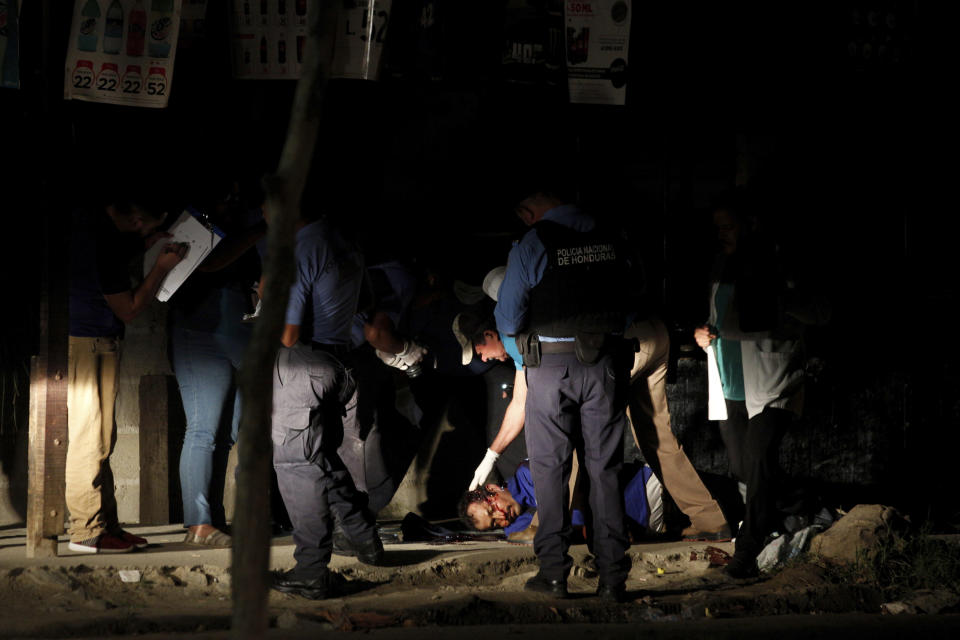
{"points": [[201, 236]]}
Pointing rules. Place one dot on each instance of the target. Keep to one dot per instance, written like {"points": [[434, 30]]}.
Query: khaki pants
{"points": [[91, 393], [650, 421]]}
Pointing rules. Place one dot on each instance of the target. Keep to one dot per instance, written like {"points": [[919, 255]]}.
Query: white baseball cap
{"points": [[493, 280]]}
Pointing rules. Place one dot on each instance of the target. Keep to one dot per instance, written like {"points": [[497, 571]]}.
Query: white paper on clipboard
{"points": [[200, 237]]}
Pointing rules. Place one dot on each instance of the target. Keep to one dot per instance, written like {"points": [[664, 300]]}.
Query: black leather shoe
{"points": [[369, 552], [540, 584], [612, 592], [328, 585], [742, 566], [341, 544]]}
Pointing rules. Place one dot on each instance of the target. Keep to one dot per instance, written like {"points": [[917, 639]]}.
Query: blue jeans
{"points": [[205, 362]]}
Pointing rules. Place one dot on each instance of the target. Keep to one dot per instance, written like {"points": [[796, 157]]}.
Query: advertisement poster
{"points": [[10, 44], [362, 30], [533, 43], [122, 51], [597, 36], [192, 22], [269, 37]]}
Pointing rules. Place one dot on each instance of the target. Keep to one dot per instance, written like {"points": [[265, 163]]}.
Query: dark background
{"points": [[844, 148]]}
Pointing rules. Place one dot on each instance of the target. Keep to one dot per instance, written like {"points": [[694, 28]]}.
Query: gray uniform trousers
{"points": [[568, 403], [314, 395]]}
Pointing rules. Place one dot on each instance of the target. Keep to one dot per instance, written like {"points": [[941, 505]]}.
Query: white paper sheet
{"points": [[201, 239], [716, 405]]}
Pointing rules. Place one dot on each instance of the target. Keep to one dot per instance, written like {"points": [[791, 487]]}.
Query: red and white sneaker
{"points": [[136, 541], [104, 543]]}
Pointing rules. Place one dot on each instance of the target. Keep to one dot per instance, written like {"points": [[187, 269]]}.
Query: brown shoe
{"points": [[692, 534], [216, 538]]}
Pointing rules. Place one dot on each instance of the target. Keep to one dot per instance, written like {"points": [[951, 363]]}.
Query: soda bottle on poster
{"points": [[282, 50], [136, 29], [301, 41], [301, 7], [263, 50], [109, 78], [89, 17], [132, 80], [157, 82], [82, 78], [113, 28], [161, 23]]}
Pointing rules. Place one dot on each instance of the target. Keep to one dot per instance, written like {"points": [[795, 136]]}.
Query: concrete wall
{"points": [[144, 353]]}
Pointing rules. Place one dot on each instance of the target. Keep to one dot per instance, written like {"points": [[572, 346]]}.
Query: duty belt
{"points": [[333, 349], [567, 346]]}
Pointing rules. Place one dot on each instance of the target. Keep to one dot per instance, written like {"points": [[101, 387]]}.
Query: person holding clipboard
{"points": [[104, 241]]}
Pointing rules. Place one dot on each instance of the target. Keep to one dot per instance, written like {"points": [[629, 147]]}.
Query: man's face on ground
{"points": [[496, 511], [491, 348]]}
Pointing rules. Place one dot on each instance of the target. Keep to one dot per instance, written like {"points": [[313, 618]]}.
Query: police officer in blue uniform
{"points": [[314, 401], [566, 299]]}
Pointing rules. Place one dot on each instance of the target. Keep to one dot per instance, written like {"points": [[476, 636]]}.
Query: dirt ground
{"points": [[425, 590]]}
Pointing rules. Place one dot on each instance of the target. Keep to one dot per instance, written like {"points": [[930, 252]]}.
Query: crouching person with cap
{"points": [[314, 397], [565, 298]]}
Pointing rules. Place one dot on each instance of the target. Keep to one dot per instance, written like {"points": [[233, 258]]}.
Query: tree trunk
{"points": [[251, 522]]}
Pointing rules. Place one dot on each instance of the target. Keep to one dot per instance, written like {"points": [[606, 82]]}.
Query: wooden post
{"points": [[47, 455], [46, 458], [158, 422]]}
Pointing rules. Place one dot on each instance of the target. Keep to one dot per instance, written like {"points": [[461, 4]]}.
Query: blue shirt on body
{"points": [[525, 268], [327, 282], [520, 487]]}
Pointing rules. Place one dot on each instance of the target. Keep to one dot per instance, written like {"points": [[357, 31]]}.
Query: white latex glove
{"points": [[392, 360], [480, 475], [412, 354]]}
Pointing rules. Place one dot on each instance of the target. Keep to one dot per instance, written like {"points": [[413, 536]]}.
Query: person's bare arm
{"points": [[130, 304], [513, 418], [510, 428], [291, 333], [379, 332]]}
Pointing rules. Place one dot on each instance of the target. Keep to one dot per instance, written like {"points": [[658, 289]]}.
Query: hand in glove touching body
{"points": [[480, 475], [411, 354]]}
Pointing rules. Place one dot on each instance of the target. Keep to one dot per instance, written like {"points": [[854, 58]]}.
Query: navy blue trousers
{"points": [[569, 404], [314, 395]]}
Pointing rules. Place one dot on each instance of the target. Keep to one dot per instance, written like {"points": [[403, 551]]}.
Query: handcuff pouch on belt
{"points": [[528, 344], [590, 347]]}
